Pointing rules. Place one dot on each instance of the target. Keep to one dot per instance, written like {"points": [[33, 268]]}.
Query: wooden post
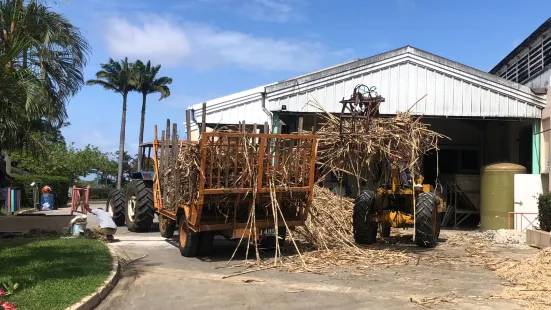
{"points": [[175, 174], [266, 128], [188, 125], [254, 131], [300, 124], [204, 118]]}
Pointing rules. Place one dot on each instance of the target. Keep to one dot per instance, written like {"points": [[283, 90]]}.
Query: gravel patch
{"points": [[503, 236]]}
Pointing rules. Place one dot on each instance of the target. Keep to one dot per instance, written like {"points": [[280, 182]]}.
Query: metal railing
{"points": [[522, 217]]}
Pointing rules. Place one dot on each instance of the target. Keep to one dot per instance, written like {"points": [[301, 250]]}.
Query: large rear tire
{"points": [[364, 224], [188, 239], [115, 206], [427, 229], [140, 210]]}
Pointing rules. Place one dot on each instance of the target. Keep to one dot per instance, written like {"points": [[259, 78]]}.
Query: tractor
{"points": [[397, 201], [398, 205], [135, 206]]}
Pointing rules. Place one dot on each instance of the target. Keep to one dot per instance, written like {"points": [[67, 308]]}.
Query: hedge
{"points": [[99, 193], [59, 185], [544, 209]]}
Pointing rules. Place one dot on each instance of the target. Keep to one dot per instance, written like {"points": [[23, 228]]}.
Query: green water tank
{"points": [[497, 194]]}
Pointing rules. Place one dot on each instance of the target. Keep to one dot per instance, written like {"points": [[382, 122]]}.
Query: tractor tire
{"points": [[269, 242], [115, 206], [385, 230], [140, 210], [166, 226], [427, 228], [188, 239], [364, 226], [206, 243]]}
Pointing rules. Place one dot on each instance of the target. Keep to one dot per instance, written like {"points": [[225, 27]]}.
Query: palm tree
{"points": [[116, 76], [42, 56], [146, 82]]}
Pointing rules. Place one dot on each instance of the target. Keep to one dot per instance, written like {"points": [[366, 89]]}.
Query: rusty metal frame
{"points": [[267, 159]]}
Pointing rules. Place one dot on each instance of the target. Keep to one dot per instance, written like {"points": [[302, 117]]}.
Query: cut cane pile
{"points": [[400, 139], [327, 242], [532, 280]]}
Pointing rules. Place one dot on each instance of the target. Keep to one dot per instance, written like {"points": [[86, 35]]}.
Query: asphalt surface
{"points": [[163, 279]]}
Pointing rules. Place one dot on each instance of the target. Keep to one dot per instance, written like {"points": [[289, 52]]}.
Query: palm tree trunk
{"points": [[142, 122], [121, 142]]}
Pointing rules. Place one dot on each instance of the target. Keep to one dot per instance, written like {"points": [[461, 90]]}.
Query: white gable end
{"points": [[404, 76]]}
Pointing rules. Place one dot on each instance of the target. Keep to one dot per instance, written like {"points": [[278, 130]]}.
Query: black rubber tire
{"points": [[188, 240], [425, 210], [144, 210], [115, 200], [269, 242], [166, 226], [385, 230], [206, 243], [364, 226]]}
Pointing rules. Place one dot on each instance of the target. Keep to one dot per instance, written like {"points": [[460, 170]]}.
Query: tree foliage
{"points": [[42, 56], [116, 76], [64, 160], [145, 81]]}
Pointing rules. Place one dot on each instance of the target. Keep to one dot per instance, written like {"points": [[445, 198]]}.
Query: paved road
{"points": [[166, 280]]}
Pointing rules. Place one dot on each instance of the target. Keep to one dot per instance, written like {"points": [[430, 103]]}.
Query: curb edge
{"points": [[93, 300]]}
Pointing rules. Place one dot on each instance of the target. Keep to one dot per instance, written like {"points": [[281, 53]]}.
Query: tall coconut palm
{"points": [[146, 82], [117, 77], [42, 56]]}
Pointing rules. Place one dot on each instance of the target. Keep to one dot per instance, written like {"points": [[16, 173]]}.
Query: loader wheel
{"points": [[139, 206], [269, 242], [426, 220], [115, 206], [189, 240], [385, 230], [166, 226], [206, 242], [364, 225]]}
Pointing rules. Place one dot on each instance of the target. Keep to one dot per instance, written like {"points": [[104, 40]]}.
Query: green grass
{"points": [[53, 273]]}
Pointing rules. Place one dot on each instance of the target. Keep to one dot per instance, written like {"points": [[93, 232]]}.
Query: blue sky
{"points": [[213, 48]]}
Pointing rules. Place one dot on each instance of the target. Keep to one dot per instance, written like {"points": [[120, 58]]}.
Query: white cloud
{"points": [[280, 11], [204, 46], [158, 41], [211, 46], [269, 10]]}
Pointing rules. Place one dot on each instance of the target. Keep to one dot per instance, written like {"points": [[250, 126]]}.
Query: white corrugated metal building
{"points": [[488, 118]]}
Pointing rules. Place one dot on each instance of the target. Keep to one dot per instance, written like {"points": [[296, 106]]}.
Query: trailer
{"points": [[241, 174]]}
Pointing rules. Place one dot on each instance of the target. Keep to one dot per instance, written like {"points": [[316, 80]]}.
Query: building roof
{"points": [[403, 76], [449, 84], [526, 43], [397, 52]]}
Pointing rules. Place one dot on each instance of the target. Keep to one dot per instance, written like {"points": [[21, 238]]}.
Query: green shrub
{"points": [[544, 207], [59, 185], [99, 193]]}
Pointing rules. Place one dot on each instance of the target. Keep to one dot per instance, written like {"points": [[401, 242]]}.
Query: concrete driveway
{"points": [[166, 280]]}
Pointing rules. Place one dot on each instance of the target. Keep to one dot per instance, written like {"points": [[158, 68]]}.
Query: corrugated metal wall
{"points": [[249, 111], [541, 80], [232, 109], [404, 80]]}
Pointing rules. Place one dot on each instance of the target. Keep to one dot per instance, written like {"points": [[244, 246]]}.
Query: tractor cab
{"points": [[145, 164]]}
